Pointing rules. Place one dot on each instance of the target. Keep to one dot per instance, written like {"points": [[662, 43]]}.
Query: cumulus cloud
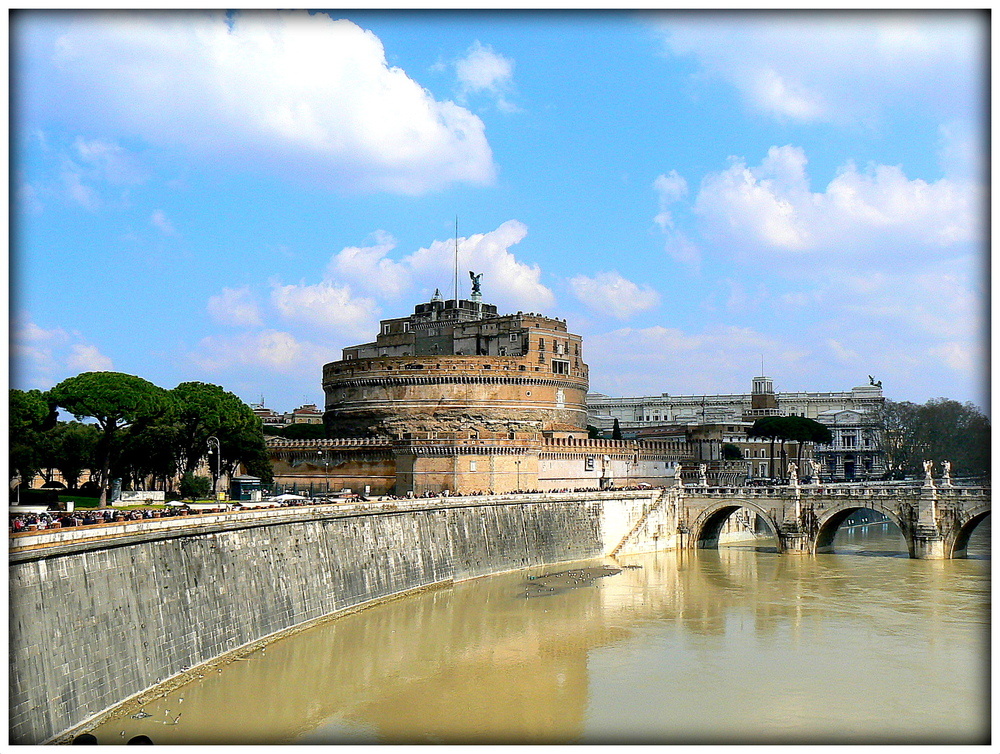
{"points": [[506, 282], [771, 207], [326, 305], [484, 71], [41, 357], [272, 350], [610, 293], [370, 268], [346, 302], [302, 93], [234, 306], [86, 358], [842, 68]]}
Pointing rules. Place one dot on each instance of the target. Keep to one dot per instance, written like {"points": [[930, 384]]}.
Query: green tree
{"points": [[897, 425], [149, 450], [204, 410], [303, 432], [616, 430], [115, 401], [75, 450], [31, 414], [801, 430], [195, 487], [939, 430], [731, 452], [768, 428]]}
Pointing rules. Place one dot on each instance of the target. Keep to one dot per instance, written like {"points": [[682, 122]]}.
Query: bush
{"points": [[195, 487]]}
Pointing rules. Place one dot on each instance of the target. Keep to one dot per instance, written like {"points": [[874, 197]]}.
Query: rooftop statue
{"points": [[476, 279]]}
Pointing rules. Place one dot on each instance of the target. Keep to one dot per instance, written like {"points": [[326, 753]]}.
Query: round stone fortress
{"points": [[459, 367]]}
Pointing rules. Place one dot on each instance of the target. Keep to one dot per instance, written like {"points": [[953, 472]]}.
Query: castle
{"points": [[456, 398]]}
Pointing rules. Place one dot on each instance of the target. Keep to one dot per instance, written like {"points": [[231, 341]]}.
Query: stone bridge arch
{"points": [[827, 524], [707, 526], [957, 539]]}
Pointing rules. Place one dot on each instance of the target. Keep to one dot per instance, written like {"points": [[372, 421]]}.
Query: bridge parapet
{"points": [[935, 521]]}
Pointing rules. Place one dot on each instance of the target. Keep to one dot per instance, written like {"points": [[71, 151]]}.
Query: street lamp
{"points": [[517, 463], [218, 464], [326, 469]]}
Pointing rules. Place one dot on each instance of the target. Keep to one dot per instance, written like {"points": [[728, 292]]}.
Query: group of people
{"points": [[20, 522]]}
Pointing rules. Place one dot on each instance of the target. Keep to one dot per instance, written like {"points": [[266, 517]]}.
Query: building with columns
{"points": [[709, 421]]}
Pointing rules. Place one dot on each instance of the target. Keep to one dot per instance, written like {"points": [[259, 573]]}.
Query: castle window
{"points": [[560, 367], [541, 344], [385, 328], [472, 465], [513, 337]]}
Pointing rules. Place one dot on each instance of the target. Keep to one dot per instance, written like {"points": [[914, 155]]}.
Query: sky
{"points": [[234, 198]]}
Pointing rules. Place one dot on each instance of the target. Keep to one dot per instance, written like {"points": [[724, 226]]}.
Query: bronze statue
{"points": [[476, 279]]}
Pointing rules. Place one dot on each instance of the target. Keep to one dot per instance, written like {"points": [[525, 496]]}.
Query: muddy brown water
{"points": [[739, 645]]}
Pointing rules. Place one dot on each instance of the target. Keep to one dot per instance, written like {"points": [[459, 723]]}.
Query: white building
{"points": [[850, 414]]}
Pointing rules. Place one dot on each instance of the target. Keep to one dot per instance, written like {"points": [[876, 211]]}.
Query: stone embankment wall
{"points": [[98, 615]]}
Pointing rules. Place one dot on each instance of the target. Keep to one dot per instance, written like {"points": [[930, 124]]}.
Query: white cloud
{"points": [[771, 207], [108, 161], [609, 293], [40, 357], [370, 268], [271, 350], [304, 94], [483, 70], [840, 67], [670, 189], [328, 306], [335, 306], [234, 306], [840, 352], [660, 359], [159, 221], [86, 358], [510, 284], [77, 190]]}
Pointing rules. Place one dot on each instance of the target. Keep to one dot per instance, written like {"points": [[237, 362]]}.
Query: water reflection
{"points": [[727, 646]]}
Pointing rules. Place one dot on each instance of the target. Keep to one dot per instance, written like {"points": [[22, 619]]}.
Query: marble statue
{"points": [[946, 473]]}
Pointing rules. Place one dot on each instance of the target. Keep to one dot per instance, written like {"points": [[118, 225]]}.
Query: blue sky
{"points": [[235, 198]]}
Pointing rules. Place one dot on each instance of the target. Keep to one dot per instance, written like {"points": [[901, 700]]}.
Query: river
{"points": [[739, 645]]}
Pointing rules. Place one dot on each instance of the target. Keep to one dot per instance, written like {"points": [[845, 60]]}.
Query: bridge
{"points": [[936, 520]]}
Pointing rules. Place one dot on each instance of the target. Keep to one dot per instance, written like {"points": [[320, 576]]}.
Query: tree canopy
{"points": [[31, 413], [139, 430], [939, 430]]}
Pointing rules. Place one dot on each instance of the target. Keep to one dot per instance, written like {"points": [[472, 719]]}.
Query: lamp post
{"points": [[517, 463], [218, 464], [326, 469]]}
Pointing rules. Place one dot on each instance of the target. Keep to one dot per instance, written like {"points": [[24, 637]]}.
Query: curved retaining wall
{"points": [[99, 616]]}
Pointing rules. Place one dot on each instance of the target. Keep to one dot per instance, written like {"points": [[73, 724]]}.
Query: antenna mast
{"points": [[456, 260]]}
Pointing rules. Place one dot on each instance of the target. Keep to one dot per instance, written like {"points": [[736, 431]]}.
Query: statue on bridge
{"points": [[702, 475], [929, 474], [946, 474], [793, 474], [816, 468]]}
